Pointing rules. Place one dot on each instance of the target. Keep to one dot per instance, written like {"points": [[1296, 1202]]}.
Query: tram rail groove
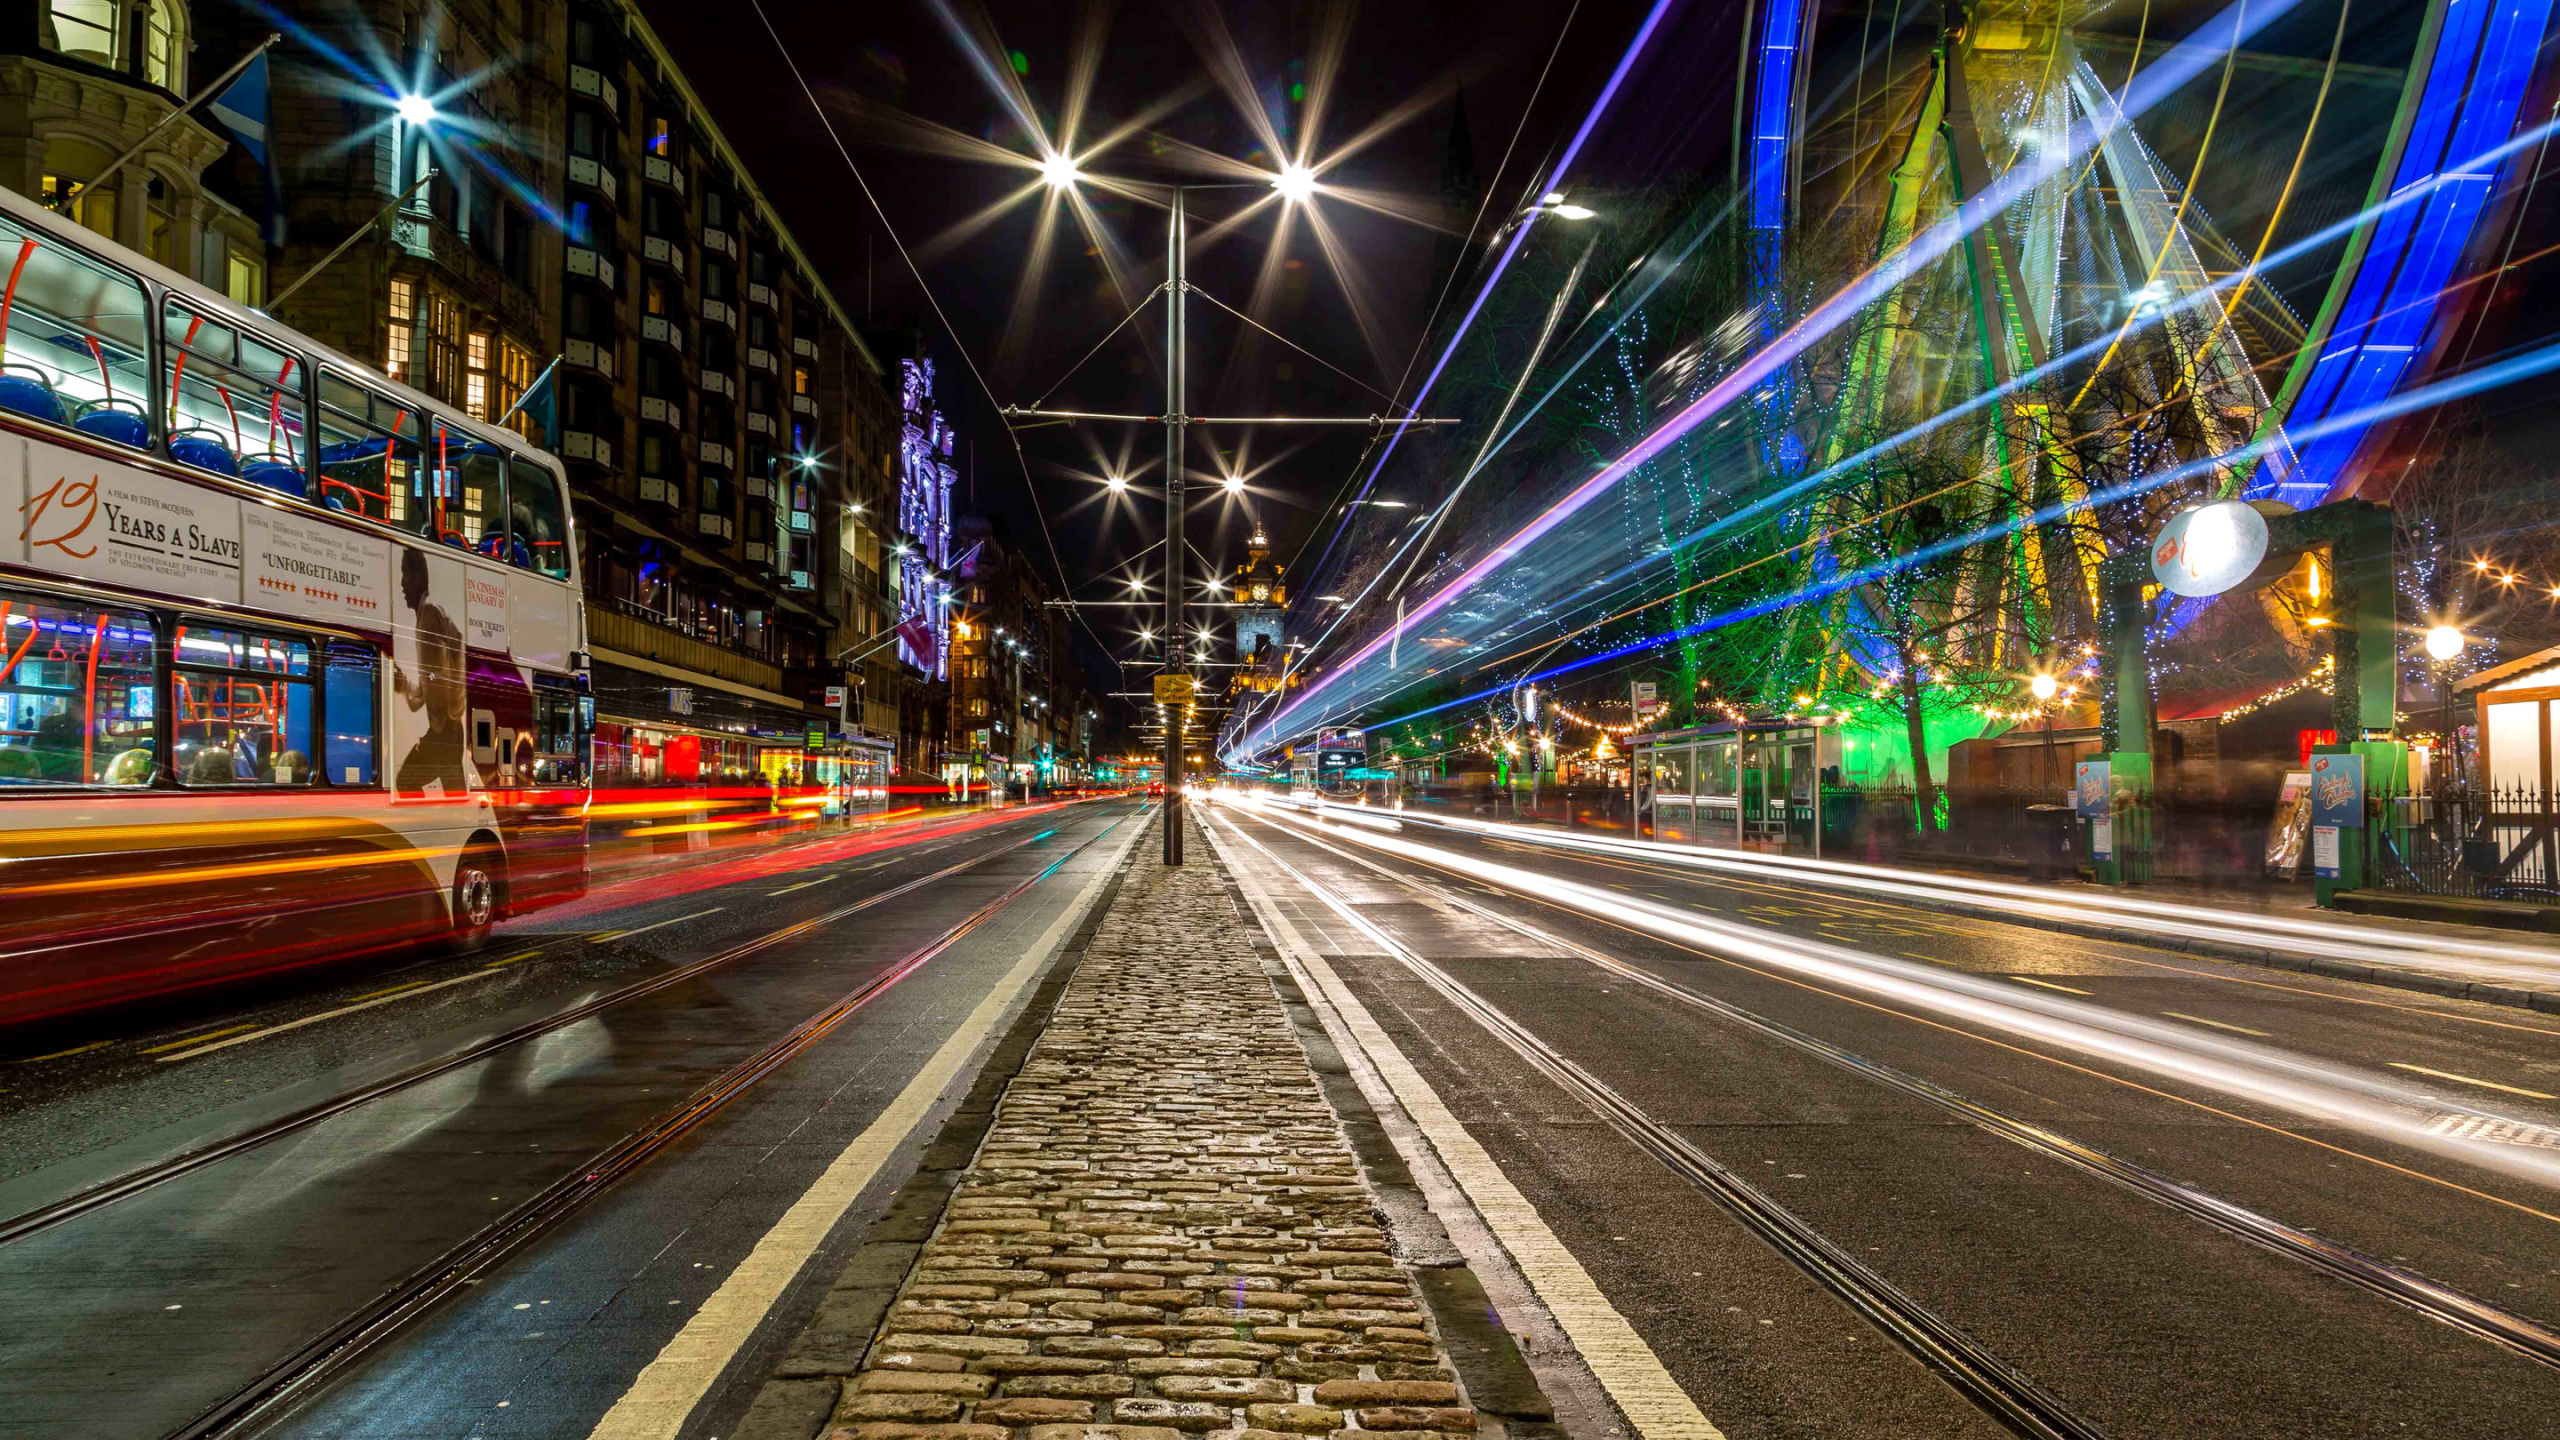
{"points": [[2000, 1390], [313, 1363], [160, 1172], [2481, 1319]]}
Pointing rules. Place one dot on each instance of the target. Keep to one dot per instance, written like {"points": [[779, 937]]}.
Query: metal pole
{"points": [[136, 148], [1175, 404], [344, 245]]}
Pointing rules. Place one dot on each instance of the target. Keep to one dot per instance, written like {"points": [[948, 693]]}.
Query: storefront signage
{"points": [[2209, 549], [817, 736]]}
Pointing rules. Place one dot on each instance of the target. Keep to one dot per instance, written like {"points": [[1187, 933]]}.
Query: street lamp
{"points": [[416, 109], [1295, 182], [1115, 483], [2444, 642], [1059, 170], [1555, 204]]}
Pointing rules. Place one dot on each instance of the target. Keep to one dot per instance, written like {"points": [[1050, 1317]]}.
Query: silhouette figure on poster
{"points": [[431, 681]]}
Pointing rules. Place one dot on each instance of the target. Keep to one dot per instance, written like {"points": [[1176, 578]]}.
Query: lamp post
{"points": [[2043, 687], [1176, 403]]}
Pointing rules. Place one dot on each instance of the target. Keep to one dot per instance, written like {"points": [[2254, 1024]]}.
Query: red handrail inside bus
{"points": [[10, 663], [26, 251], [178, 371], [89, 697]]}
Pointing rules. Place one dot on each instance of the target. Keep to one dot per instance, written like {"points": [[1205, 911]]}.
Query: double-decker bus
{"points": [[290, 654]]}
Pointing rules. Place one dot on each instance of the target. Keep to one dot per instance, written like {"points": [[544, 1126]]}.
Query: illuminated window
{"points": [[661, 137], [164, 45], [78, 708], [245, 278], [475, 381], [443, 337], [799, 379], [83, 30], [515, 372], [404, 318]]}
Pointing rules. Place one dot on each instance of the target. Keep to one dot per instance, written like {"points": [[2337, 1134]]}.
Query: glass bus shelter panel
{"points": [[1674, 814]]}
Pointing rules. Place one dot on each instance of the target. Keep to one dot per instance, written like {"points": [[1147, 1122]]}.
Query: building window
{"points": [[799, 379], [475, 379], [977, 709], [404, 319], [82, 30], [515, 373], [444, 346], [164, 46], [654, 299], [661, 136], [244, 278]]}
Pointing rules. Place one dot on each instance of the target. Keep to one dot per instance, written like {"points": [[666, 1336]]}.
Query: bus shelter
{"points": [[1751, 784]]}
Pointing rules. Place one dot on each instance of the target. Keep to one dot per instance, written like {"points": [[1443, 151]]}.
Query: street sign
{"points": [[1173, 689], [1642, 694], [835, 697], [817, 735]]}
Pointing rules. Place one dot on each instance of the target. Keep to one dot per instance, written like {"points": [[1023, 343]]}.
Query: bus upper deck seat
{"points": [[121, 421], [204, 450], [26, 390]]}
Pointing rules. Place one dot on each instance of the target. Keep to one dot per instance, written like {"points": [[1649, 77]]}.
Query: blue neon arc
{"points": [[2535, 362], [2475, 84], [2154, 84]]}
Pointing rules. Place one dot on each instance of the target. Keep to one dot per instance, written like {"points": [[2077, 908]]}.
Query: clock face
{"points": [[1261, 592]]}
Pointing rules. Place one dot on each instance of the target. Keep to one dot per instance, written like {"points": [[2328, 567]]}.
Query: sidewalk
{"points": [[1164, 1231]]}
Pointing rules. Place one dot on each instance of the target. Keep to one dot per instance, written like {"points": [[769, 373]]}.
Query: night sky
{"points": [[872, 66]]}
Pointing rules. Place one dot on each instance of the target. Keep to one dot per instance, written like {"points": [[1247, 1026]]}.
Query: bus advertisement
{"points": [[290, 654]]}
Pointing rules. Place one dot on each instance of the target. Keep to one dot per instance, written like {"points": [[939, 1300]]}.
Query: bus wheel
{"points": [[477, 894]]}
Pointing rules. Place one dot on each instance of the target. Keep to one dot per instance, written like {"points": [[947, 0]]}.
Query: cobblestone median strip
{"points": [[1165, 1234]]}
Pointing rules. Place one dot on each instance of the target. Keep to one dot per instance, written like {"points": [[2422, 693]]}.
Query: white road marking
{"points": [[2021, 979], [658, 925], [668, 1387], [2216, 1024], [1617, 1356], [2467, 1080], [803, 885], [402, 993]]}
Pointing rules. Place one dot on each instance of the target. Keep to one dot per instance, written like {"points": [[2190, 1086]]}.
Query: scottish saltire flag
{"points": [[242, 109]]}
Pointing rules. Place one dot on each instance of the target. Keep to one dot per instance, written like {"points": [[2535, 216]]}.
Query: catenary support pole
{"points": [[1175, 405]]}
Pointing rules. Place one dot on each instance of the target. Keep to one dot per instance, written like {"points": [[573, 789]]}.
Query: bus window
{"points": [[235, 404], [76, 694], [541, 526], [243, 708], [73, 340], [560, 757], [372, 456], [481, 502], [353, 714]]}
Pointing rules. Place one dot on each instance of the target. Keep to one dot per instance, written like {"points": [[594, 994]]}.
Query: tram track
{"points": [[2002, 1391], [2013, 1399], [160, 1172], [323, 1356]]}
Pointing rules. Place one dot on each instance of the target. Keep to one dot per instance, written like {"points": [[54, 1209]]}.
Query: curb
{"points": [[796, 1402]]}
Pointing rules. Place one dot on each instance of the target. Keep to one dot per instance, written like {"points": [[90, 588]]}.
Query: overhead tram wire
{"points": [[1439, 301], [1134, 312], [1022, 460]]}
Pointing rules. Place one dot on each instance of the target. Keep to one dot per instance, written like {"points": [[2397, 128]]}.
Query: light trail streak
{"points": [[2184, 62], [1519, 236], [2488, 377], [2372, 1105], [2330, 940]]}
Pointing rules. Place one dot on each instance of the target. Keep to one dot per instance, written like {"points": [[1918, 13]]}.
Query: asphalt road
{"points": [[131, 1318], [2143, 1320]]}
